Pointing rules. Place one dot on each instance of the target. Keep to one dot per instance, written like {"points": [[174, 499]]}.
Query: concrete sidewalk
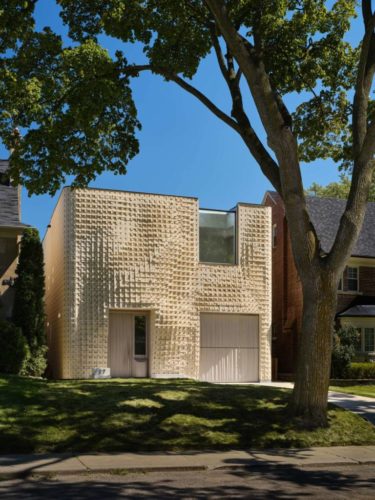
{"points": [[363, 406], [28, 465]]}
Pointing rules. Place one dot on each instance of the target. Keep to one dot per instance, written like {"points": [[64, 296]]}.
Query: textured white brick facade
{"points": [[112, 250]]}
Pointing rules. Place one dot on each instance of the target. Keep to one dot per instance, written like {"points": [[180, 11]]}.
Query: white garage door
{"points": [[229, 348]]}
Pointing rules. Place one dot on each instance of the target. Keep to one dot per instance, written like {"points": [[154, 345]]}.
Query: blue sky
{"points": [[184, 149]]}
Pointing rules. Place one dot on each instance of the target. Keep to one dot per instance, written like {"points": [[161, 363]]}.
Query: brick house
{"points": [[148, 285], [356, 293], [11, 230]]}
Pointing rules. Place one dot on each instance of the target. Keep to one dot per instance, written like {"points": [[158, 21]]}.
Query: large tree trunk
{"points": [[310, 394]]}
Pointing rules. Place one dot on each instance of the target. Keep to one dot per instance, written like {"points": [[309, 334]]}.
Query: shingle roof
{"points": [[3, 166], [362, 305], [326, 213], [9, 214]]}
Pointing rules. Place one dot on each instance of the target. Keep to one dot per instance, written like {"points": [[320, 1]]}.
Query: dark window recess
{"points": [[140, 335], [217, 237], [4, 179]]}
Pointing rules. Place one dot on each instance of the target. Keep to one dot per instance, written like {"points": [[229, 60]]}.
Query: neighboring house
{"points": [[356, 293], [10, 233], [148, 285]]}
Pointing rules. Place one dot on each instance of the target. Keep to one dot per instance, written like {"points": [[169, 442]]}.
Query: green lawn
{"points": [[363, 389], [145, 415]]}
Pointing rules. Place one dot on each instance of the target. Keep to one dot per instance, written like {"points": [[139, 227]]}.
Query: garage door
{"points": [[229, 348]]}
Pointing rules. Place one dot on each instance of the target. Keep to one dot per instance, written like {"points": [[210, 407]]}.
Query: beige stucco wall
{"points": [[109, 250]]}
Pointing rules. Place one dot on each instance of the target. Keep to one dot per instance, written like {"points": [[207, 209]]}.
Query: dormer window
{"points": [[217, 237]]}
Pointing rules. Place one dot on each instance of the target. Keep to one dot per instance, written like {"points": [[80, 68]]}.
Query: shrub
{"points": [[361, 371], [28, 310], [344, 342], [36, 363], [14, 350]]}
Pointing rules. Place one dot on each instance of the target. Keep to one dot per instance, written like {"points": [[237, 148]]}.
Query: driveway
{"points": [[365, 407]]}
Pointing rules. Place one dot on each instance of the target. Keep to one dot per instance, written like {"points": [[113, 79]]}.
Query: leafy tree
{"points": [[28, 310], [339, 189], [74, 105], [345, 340]]}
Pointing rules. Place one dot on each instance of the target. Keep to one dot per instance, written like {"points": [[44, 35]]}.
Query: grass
{"points": [[363, 389], [145, 415]]}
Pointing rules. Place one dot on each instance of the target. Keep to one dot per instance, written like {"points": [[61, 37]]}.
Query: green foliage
{"points": [[14, 350], [361, 371], [74, 101], [344, 346], [336, 189], [36, 362], [28, 310]]}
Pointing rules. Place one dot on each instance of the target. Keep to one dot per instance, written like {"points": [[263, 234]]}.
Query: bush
{"points": [[343, 352], [361, 371], [14, 350], [28, 310]]}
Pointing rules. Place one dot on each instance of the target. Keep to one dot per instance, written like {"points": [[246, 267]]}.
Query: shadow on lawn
{"points": [[140, 415]]}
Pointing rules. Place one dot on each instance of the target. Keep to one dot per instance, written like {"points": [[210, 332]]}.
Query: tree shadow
{"points": [[271, 482], [148, 415]]}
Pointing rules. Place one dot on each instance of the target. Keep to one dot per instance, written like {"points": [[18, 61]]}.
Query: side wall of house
{"points": [[8, 262], [134, 251], [56, 260], [286, 291]]}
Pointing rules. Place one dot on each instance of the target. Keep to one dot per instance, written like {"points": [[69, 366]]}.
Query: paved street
{"points": [[335, 482]]}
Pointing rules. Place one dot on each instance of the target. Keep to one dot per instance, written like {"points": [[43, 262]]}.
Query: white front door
{"points": [[127, 344]]}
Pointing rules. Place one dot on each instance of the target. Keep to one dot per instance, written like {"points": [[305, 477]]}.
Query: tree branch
{"points": [[366, 69], [363, 148], [204, 100]]}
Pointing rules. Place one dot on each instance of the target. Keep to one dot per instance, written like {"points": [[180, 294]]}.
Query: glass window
{"points": [[340, 284], [4, 179], [140, 335], [369, 339], [274, 235], [352, 274], [217, 237]]}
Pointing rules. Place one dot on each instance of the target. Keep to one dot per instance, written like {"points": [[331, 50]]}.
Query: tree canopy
{"points": [[339, 189], [72, 102]]}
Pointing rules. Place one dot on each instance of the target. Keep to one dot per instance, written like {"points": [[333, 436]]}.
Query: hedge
{"points": [[361, 371]]}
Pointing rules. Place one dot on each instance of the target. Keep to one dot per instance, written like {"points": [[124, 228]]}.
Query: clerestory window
{"points": [[217, 237]]}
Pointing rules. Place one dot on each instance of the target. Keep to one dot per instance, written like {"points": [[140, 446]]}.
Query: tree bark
{"points": [[310, 394]]}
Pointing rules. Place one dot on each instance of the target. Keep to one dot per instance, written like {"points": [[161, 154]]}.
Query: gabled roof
{"points": [[9, 203], [326, 213], [362, 305]]}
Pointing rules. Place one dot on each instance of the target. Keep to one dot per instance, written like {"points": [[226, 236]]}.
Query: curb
{"points": [[74, 472]]}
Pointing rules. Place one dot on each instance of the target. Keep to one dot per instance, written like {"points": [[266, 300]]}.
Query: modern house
{"points": [[148, 285], [356, 293], [11, 230]]}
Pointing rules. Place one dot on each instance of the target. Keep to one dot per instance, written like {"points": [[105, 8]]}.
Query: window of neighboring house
{"points": [[4, 179], [352, 275], [140, 340], [217, 237], [369, 339], [340, 284], [274, 234]]}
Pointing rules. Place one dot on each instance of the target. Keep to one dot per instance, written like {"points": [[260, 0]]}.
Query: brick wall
{"points": [[286, 291]]}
